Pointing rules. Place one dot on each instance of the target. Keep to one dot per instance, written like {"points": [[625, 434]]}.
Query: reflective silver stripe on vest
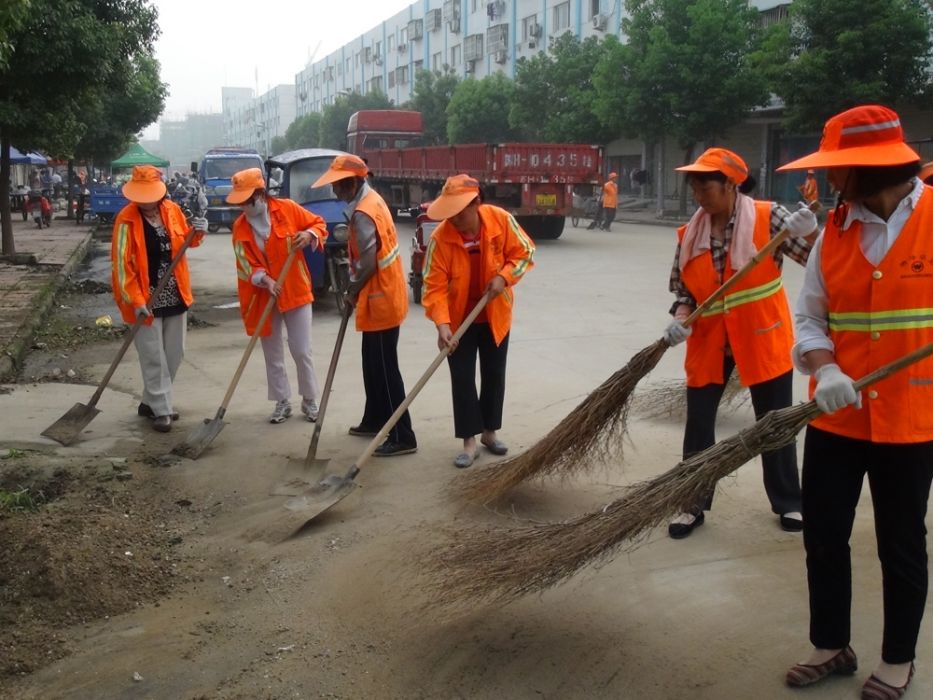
{"points": [[746, 296], [389, 258], [890, 320]]}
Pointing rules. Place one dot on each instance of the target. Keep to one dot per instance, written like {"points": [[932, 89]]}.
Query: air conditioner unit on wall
{"points": [[501, 56], [402, 47], [535, 30], [600, 21], [531, 43], [377, 59]]}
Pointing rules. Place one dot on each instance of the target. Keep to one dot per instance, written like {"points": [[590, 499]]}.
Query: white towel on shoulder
{"points": [[697, 238]]}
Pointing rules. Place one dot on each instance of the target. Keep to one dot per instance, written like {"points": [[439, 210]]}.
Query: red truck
{"points": [[533, 181]]}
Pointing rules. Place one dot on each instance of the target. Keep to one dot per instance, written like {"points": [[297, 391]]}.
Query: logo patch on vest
{"points": [[916, 266]]}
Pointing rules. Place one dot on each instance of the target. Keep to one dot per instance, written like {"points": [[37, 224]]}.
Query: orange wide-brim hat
{"points": [[145, 186], [719, 160], [244, 183], [926, 173], [869, 135], [341, 168], [458, 192]]}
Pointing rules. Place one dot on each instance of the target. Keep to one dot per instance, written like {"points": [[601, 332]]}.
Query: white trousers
{"points": [[161, 347], [298, 327]]}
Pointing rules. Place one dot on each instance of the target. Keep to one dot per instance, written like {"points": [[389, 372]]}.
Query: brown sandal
{"points": [[876, 689], [842, 664]]}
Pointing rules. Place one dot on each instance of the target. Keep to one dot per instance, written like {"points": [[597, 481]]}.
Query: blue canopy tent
{"points": [[17, 157]]}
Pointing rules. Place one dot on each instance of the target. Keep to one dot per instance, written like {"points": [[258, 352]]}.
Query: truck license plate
{"points": [[546, 200]]}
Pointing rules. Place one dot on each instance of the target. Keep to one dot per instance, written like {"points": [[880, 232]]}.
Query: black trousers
{"points": [[382, 382], [899, 477], [609, 215], [475, 413], [782, 482]]}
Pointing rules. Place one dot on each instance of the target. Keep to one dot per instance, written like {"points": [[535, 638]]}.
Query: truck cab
{"points": [[215, 171]]}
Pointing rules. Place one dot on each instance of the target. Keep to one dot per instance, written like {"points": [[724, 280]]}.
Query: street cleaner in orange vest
{"points": [[478, 249], [610, 197], [867, 299], [147, 234], [379, 294], [263, 235], [810, 190], [749, 330]]}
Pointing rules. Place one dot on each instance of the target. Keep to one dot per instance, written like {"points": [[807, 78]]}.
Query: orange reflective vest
{"points": [[610, 195], [753, 319], [383, 300], [505, 249], [876, 315], [287, 219], [810, 190], [130, 264]]}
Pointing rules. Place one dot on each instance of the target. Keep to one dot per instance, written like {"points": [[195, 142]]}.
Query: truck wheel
{"points": [[542, 228], [213, 228]]}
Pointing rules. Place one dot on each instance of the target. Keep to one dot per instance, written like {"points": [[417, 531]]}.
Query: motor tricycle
{"points": [[424, 227], [295, 173]]}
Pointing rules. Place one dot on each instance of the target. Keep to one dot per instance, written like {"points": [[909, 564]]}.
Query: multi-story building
{"points": [[182, 141], [474, 38], [252, 122]]}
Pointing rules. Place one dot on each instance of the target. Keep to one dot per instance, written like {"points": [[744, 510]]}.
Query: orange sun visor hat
{"points": [[244, 184], [458, 192], [720, 160], [342, 167], [870, 135], [146, 186]]}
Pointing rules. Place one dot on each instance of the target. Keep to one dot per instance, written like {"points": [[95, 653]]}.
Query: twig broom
{"points": [[500, 565], [668, 399], [591, 429]]}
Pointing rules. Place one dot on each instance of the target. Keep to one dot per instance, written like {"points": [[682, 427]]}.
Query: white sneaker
{"points": [[283, 409], [310, 409]]}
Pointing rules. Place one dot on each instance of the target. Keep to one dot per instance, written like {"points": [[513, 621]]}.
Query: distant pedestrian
{"points": [[810, 190], [263, 235], [610, 202], [379, 294], [477, 249], [147, 234]]}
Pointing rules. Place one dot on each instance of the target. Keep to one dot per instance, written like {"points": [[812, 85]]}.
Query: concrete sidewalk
{"points": [[27, 291]]}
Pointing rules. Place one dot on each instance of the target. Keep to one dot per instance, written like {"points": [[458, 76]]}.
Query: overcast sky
{"points": [[206, 44]]}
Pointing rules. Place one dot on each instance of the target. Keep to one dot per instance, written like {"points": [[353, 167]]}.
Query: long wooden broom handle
{"points": [[381, 435], [896, 366], [254, 337], [746, 268], [134, 329]]}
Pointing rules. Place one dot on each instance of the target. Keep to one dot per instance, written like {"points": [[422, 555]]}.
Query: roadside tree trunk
{"points": [[70, 196], [659, 178], [6, 223], [683, 182]]}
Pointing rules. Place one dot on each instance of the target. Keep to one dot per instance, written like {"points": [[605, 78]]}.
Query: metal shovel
{"points": [[313, 468], [314, 501], [67, 428], [202, 436]]}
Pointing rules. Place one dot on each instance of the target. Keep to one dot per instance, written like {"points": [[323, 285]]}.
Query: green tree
{"points": [[12, 13], [47, 84], [835, 54], [479, 111], [555, 94], [279, 144], [430, 96], [687, 71], [335, 117], [304, 132]]}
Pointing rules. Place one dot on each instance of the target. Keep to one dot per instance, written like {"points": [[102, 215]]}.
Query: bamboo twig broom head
{"points": [[500, 565], [588, 434], [591, 430], [668, 399]]}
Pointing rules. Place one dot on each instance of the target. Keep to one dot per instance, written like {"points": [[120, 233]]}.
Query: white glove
{"points": [[801, 223], [676, 333], [199, 223], [835, 389], [142, 312]]}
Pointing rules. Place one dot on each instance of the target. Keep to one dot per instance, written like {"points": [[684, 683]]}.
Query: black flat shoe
{"points": [[145, 411], [791, 524], [362, 431], [679, 531], [393, 449]]}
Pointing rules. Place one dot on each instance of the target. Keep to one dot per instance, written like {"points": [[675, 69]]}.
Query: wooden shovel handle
{"points": [[381, 435], [896, 366], [266, 312], [134, 329], [328, 383]]}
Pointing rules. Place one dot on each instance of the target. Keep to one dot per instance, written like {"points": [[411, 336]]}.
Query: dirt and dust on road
{"points": [[129, 573]]}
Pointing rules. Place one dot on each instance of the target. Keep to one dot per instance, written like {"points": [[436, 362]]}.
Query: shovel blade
{"points": [[300, 482], [67, 428], [199, 438]]}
